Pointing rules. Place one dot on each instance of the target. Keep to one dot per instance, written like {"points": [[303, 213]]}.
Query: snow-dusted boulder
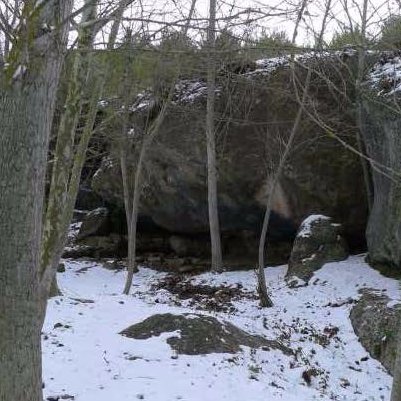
{"points": [[381, 134], [375, 319], [95, 223], [318, 241]]}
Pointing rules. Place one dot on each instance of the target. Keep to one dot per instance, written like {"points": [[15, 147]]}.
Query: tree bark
{"points": [[359, 113], [27, 101], [69, 162], [214, 224], [55, 224]]}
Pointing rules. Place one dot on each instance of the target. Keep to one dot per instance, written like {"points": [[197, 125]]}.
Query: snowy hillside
{"points": [[86, 359]]}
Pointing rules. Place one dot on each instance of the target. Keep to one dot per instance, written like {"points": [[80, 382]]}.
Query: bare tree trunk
{"points": [[359, 118], [68, 211], [54, 225], [132, 191], [265, 300], [298, 21], [214, 224], [190, 16], [133, 220], [26, 110], [131, 186], [67, 171], [132, 215], [319, 42]]}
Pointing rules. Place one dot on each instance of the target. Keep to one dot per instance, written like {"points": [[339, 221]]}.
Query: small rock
{"points": [[61, 268]]}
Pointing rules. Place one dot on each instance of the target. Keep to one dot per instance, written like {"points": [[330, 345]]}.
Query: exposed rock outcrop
{"points": [[318, 241], [376, 321], [381, 133], [199, 334], [255, 112], [95, 223]]}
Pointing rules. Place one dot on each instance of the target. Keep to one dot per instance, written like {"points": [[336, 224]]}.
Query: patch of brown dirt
{"points": [[218, 299]]}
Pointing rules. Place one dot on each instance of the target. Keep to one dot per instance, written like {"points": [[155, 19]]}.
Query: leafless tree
{"points": [[69, 157], [214, 224], [264, 298]]}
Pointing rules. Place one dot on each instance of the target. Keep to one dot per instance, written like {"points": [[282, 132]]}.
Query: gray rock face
{"points": [[183, 246], [382, 137], [95, 223], [377, 326], [318, 241], [255, 112], [199, 334]]}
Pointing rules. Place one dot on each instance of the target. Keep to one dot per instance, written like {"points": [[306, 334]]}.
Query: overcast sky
{"points": [[378, 10], [169, 11]]}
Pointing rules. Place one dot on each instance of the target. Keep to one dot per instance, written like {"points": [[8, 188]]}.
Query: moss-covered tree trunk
{"points": [[69, 160], [27, 97], [55, 221]]}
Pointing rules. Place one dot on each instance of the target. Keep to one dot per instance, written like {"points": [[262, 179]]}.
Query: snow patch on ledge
{"points": [[385, 76], [393, 303], [269, 65], [306, 227]]}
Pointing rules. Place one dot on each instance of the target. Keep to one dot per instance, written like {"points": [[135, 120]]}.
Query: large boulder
{"points": [[87, 199], [318, 241], [381, 133], [95, 223], [256, 110], [96, 247], [376, 322], [199, 334]]}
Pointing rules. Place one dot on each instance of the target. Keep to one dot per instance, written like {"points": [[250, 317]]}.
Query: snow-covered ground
{"points": [[85, 357]]}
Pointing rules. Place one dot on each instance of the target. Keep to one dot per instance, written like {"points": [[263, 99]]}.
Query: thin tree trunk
{"points": [[132, 193], [319, 42], [130, 186], [190, 16], [214, 224], [132, 216], [62, 203], [73, 188], [133, 221], [264, 297], [54, 225], [26, 112], [298, 21], [359, 116]]}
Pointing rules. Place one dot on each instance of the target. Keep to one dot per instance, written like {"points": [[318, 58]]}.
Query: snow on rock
{"points": [[269, 65], [187, 91], [385, 76], [84, 355], [393, 303], [306, 227]]}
